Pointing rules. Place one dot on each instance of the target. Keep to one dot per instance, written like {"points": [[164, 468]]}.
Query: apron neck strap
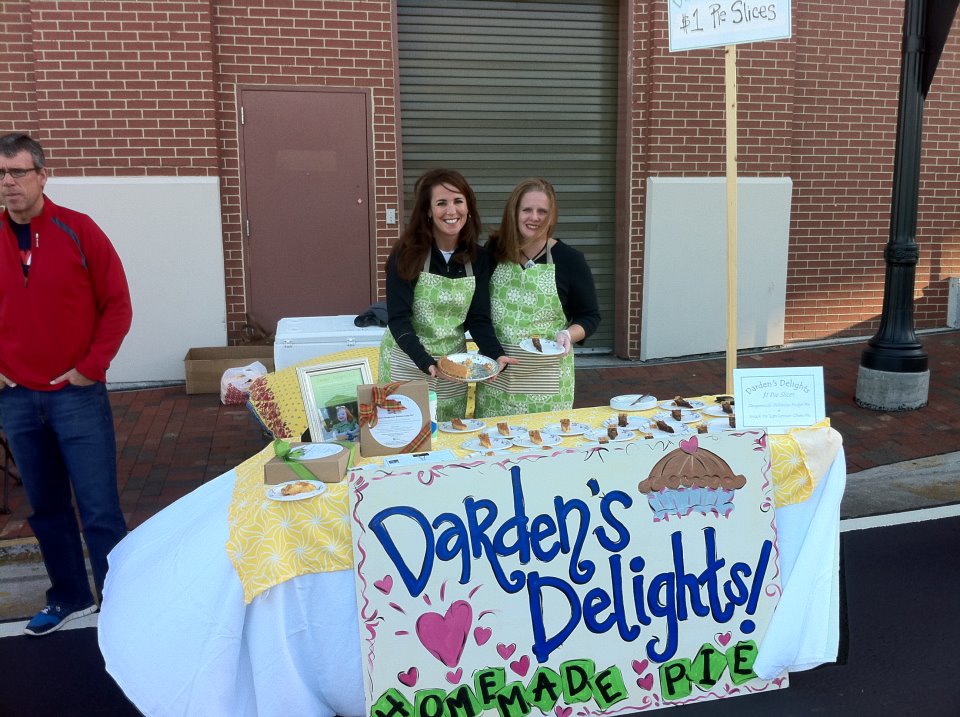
{"points": [[426, 263]]}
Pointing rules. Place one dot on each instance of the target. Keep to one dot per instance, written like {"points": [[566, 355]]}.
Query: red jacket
{"points": [[74, 309]]}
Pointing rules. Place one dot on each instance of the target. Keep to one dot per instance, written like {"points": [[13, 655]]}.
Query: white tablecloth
{"points": [[178, 639]]}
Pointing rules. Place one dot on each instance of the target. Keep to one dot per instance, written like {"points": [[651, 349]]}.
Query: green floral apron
{"points": [[440, 306], [524, 303]]}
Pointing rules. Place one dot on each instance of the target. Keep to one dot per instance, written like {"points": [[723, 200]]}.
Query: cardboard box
{"points": [[396, 428], [329, 469], [204, 367]]}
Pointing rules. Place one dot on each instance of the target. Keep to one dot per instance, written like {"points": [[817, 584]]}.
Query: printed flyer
{"points": [[601, 580]]}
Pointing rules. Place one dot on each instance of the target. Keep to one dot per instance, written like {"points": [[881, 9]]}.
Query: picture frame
{"points": [[329, 392]]}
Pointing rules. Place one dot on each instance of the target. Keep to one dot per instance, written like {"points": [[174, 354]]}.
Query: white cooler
{"points": [[306, 337]]}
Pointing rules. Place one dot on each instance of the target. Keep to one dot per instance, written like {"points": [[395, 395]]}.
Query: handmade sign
{"points": [[602, 580]]}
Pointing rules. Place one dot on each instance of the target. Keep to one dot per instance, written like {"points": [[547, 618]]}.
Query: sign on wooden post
{"points": [[696, 24]]}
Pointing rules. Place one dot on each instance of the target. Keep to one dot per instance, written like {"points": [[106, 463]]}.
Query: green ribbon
{"points": [[289, 456]]}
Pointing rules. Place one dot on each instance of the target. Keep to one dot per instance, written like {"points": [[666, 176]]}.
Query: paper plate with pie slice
{"points": [[686, 416], [623, 434], [468, 367], [574, 429], [694, 405], [547, 347], [465, 425], [715, 411], [719, 425], [496, 444], [546, 440], [638, 423], [511, 432], [296, 490], [633, 402]]}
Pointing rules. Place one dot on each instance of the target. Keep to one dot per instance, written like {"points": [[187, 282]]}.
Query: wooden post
{"points": [[730, 86]]}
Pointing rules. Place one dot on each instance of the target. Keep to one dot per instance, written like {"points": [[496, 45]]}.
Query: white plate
{"points": [[495, 444], [575, 429], [637, 423], [680, 429], [477, 374], [273, 491], [686, 416], [630, 402], [550, 348], [515, 432], [472, 424], [715, 411], [694, 404], [719, 425], [622, 435], [546, 440]]}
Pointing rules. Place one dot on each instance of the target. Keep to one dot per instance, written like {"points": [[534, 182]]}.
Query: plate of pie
{"points": [[502, 430], [692, 404], [468, 367], [684, 415], [670, 428], [716, 411], [296, 490], [637, 423], [719, 425], [567, 428], [611, 433], [541, 347], [633, 402], [461, 425], [485, 443], [537, 439]]}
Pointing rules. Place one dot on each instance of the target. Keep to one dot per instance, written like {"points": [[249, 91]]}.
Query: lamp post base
{"points": [[889, 391]]}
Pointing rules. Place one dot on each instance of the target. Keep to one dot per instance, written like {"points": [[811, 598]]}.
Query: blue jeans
{"points": [[61, 439]]}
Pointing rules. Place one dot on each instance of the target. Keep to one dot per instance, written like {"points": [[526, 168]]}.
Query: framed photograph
{"points": [[329, 392]]}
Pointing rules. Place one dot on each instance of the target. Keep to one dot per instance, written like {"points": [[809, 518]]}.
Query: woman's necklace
{"points": [[531, 261]]}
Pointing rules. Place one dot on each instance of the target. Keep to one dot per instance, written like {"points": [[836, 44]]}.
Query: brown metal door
{"points": [[304, 172]]}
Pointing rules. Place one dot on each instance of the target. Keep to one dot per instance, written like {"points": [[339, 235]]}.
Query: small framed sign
{"points": [[329, 392], [777, 399]]}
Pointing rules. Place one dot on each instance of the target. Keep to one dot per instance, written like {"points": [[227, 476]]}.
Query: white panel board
{"points": [[168, 234], [684, 275]]}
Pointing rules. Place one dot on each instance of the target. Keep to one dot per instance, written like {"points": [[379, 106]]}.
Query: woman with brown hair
{"points": [[539, 287], [437, 288]]}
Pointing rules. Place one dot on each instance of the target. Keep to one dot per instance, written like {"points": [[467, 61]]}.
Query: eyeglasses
{"points": [[16, 173]]}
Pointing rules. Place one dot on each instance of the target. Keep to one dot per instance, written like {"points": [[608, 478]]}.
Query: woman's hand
{"points": [[563, 339], [505, 361]]}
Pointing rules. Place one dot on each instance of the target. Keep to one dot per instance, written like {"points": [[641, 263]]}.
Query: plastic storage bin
{"points": [[306, 337]]}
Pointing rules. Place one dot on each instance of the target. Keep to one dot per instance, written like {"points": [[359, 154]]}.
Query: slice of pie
{"points": [[454, 369], [682, 402], [485, 440], [458, 424], [504, 428], [535, 437]]}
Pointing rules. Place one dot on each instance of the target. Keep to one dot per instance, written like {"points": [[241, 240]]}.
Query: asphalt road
{"points": [[900, 597]]}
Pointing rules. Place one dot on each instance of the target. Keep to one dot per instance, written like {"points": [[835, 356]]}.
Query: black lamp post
{"points": [[895, 349]]}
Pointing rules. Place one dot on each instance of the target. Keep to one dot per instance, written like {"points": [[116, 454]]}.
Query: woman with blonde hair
{"points": [[540, 287], [437, 284]]}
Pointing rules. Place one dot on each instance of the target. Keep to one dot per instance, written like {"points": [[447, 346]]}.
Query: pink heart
{"points": [[646, 682], [689, 445], [444, 636], [409, 678], [482, 634], [562, 711], [521, 666], [723, 638], [640, 667], [385, 585], [505, 650], [454, 677]]}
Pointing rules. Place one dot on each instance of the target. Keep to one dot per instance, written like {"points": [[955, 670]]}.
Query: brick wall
{"points": [[130, 88]]}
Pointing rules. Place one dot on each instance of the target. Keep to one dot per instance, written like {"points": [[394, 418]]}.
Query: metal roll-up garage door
{"points": [[505, 90]]}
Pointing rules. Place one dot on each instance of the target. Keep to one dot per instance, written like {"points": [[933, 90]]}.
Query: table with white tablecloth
{"points": [[181, 635]]}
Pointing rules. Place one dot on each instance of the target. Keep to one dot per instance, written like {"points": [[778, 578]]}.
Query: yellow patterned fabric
{"points": [[274, 541]]}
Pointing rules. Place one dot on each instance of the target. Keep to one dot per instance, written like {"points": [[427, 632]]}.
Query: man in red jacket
{"points": [[64, 310]]}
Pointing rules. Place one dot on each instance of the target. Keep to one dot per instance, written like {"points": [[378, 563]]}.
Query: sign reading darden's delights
{"points": [[601, 580]]}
